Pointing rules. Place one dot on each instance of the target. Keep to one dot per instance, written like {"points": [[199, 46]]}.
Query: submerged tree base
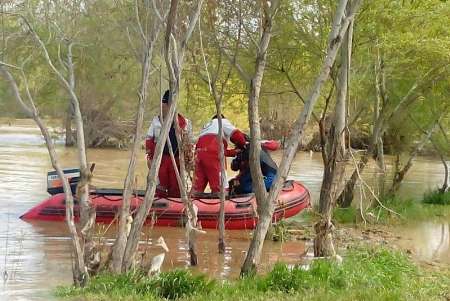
{"points": [[365, 274]]}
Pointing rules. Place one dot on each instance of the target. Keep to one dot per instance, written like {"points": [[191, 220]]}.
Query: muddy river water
{"points": [[36, 257]]}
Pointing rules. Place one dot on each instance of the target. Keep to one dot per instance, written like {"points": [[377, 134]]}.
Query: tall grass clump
{"points": [[180, 283], [436, 197], [135, 286]]}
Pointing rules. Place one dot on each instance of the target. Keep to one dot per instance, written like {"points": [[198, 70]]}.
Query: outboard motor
{"points": [[54, 183]]}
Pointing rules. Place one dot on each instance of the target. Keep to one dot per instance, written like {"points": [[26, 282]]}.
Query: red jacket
{"points": [[207, 141], [154, 131]]}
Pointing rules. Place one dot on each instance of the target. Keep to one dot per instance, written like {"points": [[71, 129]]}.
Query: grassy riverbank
{"points": [[369, 271], [365, 274], [434, 205]]}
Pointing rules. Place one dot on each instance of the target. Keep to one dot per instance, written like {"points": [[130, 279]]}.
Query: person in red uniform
{"points": [[207, 162], [168, 185]]}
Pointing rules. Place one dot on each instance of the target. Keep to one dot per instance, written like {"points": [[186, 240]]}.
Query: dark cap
{"points": [[165, 98], [215, 116]]}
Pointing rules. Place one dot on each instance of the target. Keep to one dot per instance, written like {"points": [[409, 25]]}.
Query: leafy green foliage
{"points": [[410, 35]]}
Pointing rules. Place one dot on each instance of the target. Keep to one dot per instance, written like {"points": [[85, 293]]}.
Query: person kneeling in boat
{"points": [[242, 183], [168, 185], [207, 160]]}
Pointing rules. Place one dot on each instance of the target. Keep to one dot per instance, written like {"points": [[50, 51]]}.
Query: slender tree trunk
{"points": [[380, 100], [334, 167], [221, 244], [381, 125], [212, 82], [264, 206], [346, 197], [87, 210], [400, 174], [80, 275], [120, 243], [173, 63], [444, 187], [70, 140], [340, 26]]}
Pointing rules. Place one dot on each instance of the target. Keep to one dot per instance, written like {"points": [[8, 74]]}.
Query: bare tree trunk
{"points": [[399, 175], [265, 212], [264, 206], [174, 62], [380, 101], [381, 125], [174, 65], [346, 197], [444, 187], [80, 275], [334, 167], [70, 140], [87, 212], [221, 244], [218, 96], [122, 235], [444, 162]]}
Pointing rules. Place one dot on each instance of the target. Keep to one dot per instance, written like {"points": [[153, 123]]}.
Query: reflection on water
{"points": [[428, 240], [37, 256]]}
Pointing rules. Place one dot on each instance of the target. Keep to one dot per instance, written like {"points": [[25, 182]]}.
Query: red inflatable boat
{"points": [[239, 210]]}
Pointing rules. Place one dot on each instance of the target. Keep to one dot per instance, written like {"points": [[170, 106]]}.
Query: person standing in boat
{"points": [[207, 161], [168, 185]]}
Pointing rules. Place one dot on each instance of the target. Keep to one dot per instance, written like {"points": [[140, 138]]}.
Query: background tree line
{"points": [[406, 38]]}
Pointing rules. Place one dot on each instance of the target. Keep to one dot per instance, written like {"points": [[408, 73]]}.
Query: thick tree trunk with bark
{"points": [[334, 167]]}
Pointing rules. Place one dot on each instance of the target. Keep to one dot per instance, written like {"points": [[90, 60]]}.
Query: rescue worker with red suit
{"points": [[207, 162], [168, 185]]}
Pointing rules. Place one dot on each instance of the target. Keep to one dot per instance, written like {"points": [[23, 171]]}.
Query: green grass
{"points": [[434, 205], [409, 210], [365, 274], [345, 215], [437, 198]]}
